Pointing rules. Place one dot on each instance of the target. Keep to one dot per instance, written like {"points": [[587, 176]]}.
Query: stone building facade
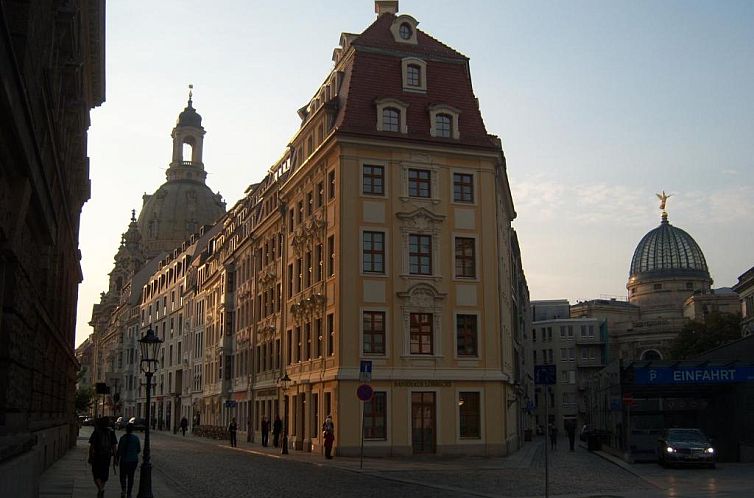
{"points": [[52, 73]]}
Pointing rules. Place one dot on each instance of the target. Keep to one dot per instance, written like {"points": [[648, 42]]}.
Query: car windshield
{"points": [[686, 435]]}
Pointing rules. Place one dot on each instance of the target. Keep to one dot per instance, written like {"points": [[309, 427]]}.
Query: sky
{"points": [[599, 105]]}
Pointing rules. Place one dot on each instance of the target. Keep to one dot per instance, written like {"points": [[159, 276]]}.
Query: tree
{"points": [[84, 398], [697, 337]]}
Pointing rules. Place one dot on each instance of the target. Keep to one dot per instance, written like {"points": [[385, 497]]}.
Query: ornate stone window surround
{"points": [[396, 27], [413, 61], [385, 256], [399, 105], [422, 298], [421, 222], [382, 309], [453, 112], [434, 182]]}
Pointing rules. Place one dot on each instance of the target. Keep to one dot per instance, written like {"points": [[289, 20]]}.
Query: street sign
{"points": [[365, 392], [365, 372], [545, 374]]}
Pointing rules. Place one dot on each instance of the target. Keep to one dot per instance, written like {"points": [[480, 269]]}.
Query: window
{"points": [[330, 335], [413, 75], [469, 415], [374, 332], [466, 335], [391, 119], [331, 185], [420, 254], [419, 183], [465, 258], [320, 193], [421, 333], [373, 256], [443, 125], [375, 416], [331, 255], [405, 31], [373, 180], [463, 187]]}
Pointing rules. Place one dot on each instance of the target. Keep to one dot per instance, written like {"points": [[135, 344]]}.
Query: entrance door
{"points": [[423, 422]]}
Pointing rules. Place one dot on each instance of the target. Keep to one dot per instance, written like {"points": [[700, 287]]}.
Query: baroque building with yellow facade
{"points": [[382, 234]]}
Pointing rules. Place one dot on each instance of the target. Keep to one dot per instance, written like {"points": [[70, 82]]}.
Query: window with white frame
{"points": [[420, 254], [421, 333], [373, 179], [414, 75], [466, 336], [443, 121], [373, 332], [420, 183], [465, 256], [373, 252], [391, 115], [463, 187], [391, 119]]}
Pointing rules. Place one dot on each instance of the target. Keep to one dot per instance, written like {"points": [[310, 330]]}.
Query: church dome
{"points": [[668, 251], [189, 117], [176, 210]]}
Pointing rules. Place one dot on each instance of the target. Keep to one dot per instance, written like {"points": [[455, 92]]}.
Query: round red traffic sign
{"points": [[365, 392]]}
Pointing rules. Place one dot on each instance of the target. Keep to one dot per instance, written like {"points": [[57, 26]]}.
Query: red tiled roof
{"points": [[378, 35]]}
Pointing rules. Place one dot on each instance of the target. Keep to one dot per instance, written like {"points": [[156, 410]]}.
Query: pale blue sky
{"points": [[599, 105]]}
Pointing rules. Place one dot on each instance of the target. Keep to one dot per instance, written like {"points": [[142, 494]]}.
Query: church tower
{"points": [[184, 203]]}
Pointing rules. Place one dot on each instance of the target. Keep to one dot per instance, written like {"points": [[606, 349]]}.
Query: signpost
{"points": [[364, 393], [546, 375]]}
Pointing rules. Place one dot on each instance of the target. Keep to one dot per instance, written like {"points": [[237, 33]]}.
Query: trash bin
{"points": [[527, 434], [593, 442]]}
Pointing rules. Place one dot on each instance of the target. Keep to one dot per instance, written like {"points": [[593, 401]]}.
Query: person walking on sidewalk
{"points": [[232, 428], [277, 428], [570, 427], [265, 431], [553, 437], [184, 425], [328, 431], [102, 444], [127, 456]]}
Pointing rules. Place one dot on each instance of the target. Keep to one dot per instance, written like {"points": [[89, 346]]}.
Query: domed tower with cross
{"points": [[184, 203]]}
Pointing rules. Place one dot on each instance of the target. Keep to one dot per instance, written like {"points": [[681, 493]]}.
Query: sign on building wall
{"points": [[697, 375]]}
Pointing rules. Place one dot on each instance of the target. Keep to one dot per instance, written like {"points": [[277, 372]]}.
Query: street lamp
{"points": [[284, 382], [149, 346]]}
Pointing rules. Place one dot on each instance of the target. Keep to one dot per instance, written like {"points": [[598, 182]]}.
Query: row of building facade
{"points": [[383, 234]]}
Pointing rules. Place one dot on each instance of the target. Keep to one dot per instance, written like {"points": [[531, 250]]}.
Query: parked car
{"points": [[88, 421], [120, 423], [685, 446], [139, 423]]}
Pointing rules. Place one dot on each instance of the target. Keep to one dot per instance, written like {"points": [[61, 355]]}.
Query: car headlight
{"points": [[710, 450], [669, 449]]}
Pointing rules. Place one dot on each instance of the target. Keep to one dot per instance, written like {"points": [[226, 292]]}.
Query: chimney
{"points": [[385, 7]]}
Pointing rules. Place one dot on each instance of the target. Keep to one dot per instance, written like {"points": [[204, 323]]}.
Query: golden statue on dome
{"points": [[663, 200]]}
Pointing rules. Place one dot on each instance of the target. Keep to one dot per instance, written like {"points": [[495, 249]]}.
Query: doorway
{"points": [[423, 422]]}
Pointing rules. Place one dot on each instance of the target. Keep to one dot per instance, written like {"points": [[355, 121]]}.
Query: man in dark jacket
{"points": [[277, 428], [102, 444], [127, 456]]}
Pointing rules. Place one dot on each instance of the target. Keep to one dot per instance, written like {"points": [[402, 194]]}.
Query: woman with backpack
{"points": [[101, 449], [127, 456]]}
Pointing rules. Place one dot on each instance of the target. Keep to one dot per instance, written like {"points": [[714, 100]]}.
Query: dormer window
{"points": [[405, 31], [414, 75], [444, 121], [390, 119], [443, 125], [391, 115]]}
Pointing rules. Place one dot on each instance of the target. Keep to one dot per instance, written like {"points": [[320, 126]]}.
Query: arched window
{"points": [[651, 354], [413, 75], [443, 125], [391, 119]]}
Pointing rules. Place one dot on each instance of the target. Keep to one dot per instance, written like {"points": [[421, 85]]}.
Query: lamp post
{"points": [[284, 382], [149, 346]]}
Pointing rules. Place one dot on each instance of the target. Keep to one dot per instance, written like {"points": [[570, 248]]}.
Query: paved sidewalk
{"points": [[521, 459], [71, 476]]}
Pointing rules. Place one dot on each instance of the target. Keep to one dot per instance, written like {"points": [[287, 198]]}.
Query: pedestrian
{"points": [[102, 445], [553, 437], [570, 427], [265, 431], [277, 428], [232, 428], [184, 425], [127, 456], [328, 431]]}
